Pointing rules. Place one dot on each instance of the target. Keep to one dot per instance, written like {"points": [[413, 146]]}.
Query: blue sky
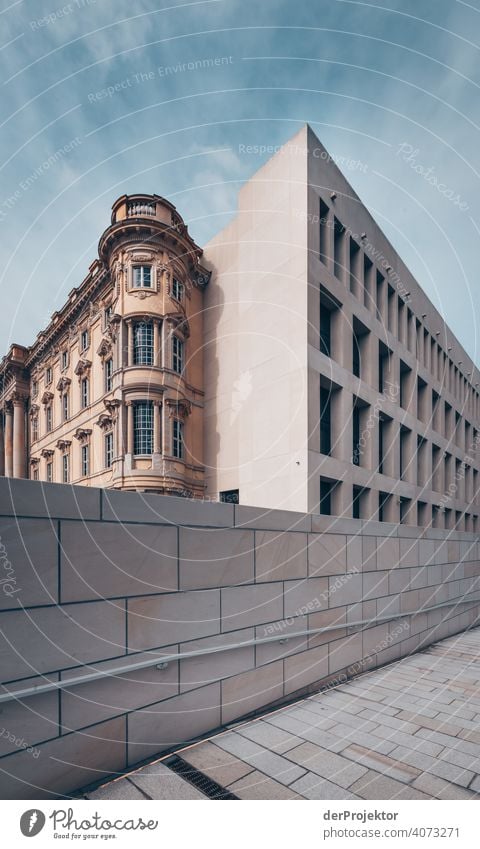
{"points": [[392, 84]]}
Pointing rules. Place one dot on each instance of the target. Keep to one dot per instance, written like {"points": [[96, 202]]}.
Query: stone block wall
{"points": [[91, 580]]}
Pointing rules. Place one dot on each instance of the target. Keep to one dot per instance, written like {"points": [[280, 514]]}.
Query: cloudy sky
{"points": [[374, 80]]}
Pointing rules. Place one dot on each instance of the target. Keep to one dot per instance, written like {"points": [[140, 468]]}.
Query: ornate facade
{"points": [[111, 392]]}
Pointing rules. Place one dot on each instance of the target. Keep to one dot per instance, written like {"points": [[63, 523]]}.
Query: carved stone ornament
{"points": [[112, 406], [104, 421], [140, 256], [104, 348], [47, 397], [141, 294], [64, 444], [33, 410], [82, 367], [34, 461], [179, 322], [178, 407], [63, 384], [47, 453], [200, 277], [82, 434]]}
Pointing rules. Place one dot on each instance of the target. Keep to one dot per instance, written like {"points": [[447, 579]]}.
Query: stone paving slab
{"points": [[408, 731]]}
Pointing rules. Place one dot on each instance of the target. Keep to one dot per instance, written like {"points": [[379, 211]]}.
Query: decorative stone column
{"points": [[157, 441], [9, 440], [130, 437], [157, 353], [19, 457], [2, 446]]}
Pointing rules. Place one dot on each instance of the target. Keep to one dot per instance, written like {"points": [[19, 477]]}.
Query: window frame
{"points": [[108, 450], [178, 290], [178, 356], [84, 395], [85, 460], [65, 468], [108, 374], [140, 266], [143, 431], [84, 336], [178, 439], [143, 349]]}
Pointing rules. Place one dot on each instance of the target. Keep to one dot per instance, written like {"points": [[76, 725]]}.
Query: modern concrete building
{"points": [[310, 374], [333, 385], [111, 393]]}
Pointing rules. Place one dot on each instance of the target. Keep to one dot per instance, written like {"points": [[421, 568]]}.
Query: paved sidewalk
{"points": [[408, 731]]}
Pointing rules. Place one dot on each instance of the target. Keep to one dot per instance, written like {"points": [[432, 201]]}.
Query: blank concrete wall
{"points": [[92, 579]]}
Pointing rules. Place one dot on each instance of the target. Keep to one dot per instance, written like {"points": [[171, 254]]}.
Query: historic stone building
{"points": [[312, 373], [111, 393]]}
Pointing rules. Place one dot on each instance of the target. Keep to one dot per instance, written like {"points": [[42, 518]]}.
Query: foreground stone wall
{"points": [[93, 579]]}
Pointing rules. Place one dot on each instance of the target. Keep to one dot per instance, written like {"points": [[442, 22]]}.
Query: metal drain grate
{"points": [[199, 780]]}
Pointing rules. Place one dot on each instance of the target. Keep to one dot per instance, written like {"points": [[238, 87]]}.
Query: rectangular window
{"points": [[326, 490], [338, 246], [142, 276], [355, 355], [177, 439], [65, 468], [355, 257], [34, 388], [325, 330], [49, 471], [48, 419], [34, 429], [48, 375], [143, 343], [85, 460], [108, 369], [107, 314], [143, 427], [64, 360], [108, 450], [84, 387], [230, 496], [356, 449], [35, 474], [324, 233], [325, 422], [384, 501], [84, 340], [177, 289], [65, 407], [177, 355]]}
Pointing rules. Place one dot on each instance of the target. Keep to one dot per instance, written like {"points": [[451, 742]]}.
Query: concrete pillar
{"points": [[391, 449], [409, 439], [370, 360], [157, 442], [2, 446], [9, 441], [342, 338], [129, 344], [342, 425], [19, 438]]}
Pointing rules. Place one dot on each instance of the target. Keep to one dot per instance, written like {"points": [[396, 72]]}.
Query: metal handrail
{"points": [[162, 661]]}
